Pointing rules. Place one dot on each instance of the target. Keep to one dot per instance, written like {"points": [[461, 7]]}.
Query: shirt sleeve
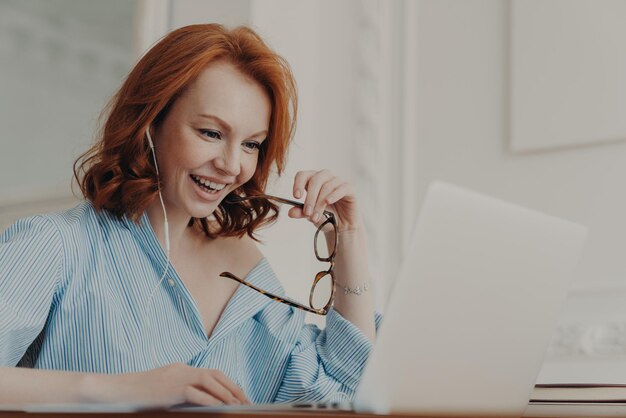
{"points": [[326, 365], [31, 261]]}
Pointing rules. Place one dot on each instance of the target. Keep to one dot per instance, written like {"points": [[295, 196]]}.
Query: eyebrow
{"points": [[226, 126]]}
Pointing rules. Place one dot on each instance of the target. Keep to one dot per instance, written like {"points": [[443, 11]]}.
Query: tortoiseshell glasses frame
{"points": [[330, 220]]}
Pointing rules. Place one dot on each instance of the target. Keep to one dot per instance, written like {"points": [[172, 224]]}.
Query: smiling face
{"points": [[208, 143]]}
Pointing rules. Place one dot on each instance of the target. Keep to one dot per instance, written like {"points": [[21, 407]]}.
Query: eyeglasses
{"points": [[321, 302]]}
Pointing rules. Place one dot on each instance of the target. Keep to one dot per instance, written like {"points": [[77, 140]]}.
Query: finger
{"points": [[326, 190], [296, 213], [299, 182], [234, 389], [313, 187], [215, 388], [343, 190], [200, 397]]}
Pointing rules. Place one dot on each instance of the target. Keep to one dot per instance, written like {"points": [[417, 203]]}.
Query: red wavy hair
{"points": [[117, 173]]}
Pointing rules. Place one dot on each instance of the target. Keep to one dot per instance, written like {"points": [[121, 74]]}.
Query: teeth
{"points": [[209, 184], [216, 186]]}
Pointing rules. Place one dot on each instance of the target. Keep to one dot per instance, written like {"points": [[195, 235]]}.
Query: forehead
{"points": [[222, 90]]}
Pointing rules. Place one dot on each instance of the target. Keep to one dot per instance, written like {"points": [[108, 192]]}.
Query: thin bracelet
{"points": [[354, 290]]}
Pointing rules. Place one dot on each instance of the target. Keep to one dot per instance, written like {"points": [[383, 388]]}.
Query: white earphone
{"points": [[165, 224], [166, 234]]}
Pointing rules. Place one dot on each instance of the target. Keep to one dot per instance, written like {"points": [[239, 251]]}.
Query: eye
{"points": [[211, 133], [252, 145]]}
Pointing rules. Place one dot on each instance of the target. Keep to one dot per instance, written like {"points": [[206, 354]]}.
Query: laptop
{"points": [[472, 311], [473, 308]]}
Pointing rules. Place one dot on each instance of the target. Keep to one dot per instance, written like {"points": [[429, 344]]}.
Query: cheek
{"points": [[183, 159], [173, 165], [248, 168]]}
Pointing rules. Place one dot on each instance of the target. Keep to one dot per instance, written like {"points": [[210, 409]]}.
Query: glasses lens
{"points": [[325, 241], [323, 292]]}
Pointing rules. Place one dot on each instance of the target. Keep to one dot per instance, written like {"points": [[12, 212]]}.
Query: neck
{"points": [[177, 225]]}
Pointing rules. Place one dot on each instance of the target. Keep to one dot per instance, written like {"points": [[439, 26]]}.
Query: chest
{"points": [[210, 292]]}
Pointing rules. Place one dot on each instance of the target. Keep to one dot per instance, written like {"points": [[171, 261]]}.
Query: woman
{"points": [[120, 299]]}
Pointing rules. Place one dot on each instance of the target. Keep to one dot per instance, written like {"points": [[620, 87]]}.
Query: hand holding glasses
{"points": [[319, 303]]}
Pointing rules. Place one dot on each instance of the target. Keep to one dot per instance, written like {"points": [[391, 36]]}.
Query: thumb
{"points": [[296, 212]]}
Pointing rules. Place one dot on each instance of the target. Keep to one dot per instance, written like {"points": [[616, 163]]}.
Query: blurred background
{"points": [[524, 100]]}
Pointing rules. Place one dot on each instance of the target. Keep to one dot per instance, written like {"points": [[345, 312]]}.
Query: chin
{"points": [[203, 212], [197, 208]]}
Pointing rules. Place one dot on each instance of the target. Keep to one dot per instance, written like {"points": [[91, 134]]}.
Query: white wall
{"points": [[230, 13], [59, 64], [464, 136]]}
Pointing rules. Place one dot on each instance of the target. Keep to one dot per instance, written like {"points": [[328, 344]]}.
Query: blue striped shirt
{"points": [[74, 287]]}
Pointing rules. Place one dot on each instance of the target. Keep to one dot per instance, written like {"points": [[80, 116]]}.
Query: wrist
{"points": [[348, 233], [357, 289], [103, 388], [352, 241], [90, 388]]}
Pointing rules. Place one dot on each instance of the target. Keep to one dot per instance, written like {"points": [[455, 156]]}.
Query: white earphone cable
{"points": [[167, 245]]}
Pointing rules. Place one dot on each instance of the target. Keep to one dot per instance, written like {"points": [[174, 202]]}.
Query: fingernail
{"points": [[297, 194], [316, 217], [308, 209]]}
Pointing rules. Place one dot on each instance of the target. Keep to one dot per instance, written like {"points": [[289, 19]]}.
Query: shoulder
{"points": [[83, 230], [56, 223], [84, 223], [37, 233], [89, 236], [238, 254], [80, 215], [234, 249], [31, 248], [56, 229], [244, 248]]}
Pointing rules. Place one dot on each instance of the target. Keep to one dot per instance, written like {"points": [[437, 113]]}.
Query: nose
{"points": [[229, 162]]}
